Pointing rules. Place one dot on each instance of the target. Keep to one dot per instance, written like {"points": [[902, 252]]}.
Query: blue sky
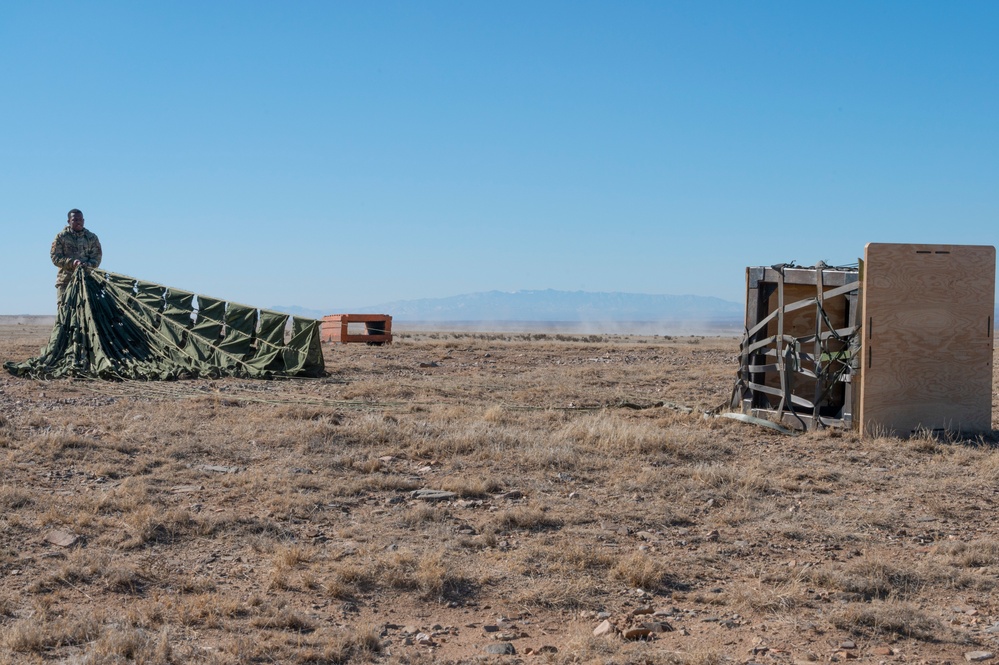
{"points": [[335, 155]]}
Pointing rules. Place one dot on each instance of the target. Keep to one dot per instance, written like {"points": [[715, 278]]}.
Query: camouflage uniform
{"points": [[70, 246]]}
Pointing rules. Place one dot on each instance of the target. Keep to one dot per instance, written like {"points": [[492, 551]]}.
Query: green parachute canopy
{"points": [[116, 327]]}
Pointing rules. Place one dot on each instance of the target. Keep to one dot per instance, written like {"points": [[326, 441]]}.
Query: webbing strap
{"points": [[827, 362]]}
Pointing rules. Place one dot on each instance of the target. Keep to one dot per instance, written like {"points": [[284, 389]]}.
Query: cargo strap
{"points": [[825, 357]]}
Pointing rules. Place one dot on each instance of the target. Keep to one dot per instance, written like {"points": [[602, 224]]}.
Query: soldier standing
{"points": [[72, 248]]}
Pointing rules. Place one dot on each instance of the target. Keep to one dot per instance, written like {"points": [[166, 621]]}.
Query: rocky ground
{"points": [[468, 497]]}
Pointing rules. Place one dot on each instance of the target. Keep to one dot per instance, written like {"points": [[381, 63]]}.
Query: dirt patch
{"points": [[577, 488]]}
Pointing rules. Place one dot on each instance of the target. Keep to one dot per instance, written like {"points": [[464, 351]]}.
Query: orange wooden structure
{"points": [[377, 328]]}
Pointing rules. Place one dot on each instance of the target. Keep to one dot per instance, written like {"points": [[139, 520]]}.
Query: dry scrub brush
{"points": [[235, 521]]}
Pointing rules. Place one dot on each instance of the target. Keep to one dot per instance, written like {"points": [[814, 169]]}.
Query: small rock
{"points": [[491, 629], [501, 649], [636, 633], [847, 644], [424, 639], [215, 468], [644, 609], [410, 630], [978, 656], [433, 495], [615, 528], [882, 651], [605, 628], [658, 626], [60, 538]]}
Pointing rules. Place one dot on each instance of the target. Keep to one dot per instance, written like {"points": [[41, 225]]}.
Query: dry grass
{"points": [[890, 619], [237, 521]]}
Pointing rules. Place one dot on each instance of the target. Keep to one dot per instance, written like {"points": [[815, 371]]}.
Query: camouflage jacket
{"points": [[70, 246]]}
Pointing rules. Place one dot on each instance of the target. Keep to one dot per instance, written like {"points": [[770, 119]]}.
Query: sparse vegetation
{"points": [[236, 521]]}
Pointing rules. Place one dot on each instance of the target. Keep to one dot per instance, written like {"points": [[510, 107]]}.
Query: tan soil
{"points": [[239, 521]]}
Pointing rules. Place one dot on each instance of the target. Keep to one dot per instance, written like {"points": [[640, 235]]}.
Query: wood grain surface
{"points": [[927, 338]]}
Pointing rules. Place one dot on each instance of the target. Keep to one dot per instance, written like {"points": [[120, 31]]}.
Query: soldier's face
{"points": [[76, 221]]}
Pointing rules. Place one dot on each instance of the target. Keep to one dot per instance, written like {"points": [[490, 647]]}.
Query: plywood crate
{"points": [[900, 344], [927, 338], [795, 362]]}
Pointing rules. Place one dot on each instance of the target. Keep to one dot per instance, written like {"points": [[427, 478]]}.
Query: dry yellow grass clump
{"points": [[439, 498]]}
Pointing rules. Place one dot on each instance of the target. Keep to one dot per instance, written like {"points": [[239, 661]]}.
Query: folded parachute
{"points": [[116, 327]]}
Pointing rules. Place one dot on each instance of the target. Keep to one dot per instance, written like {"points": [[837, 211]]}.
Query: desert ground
{"points": [[474, 497]]}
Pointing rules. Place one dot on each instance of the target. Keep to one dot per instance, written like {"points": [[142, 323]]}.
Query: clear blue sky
{"points": [[340, 154]]}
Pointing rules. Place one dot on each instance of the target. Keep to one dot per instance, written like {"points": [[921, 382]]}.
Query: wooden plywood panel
{"points": [[927, 338], [801, 323]]}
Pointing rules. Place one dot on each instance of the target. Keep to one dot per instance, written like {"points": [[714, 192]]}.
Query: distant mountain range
{"points": [[551, 305]]}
